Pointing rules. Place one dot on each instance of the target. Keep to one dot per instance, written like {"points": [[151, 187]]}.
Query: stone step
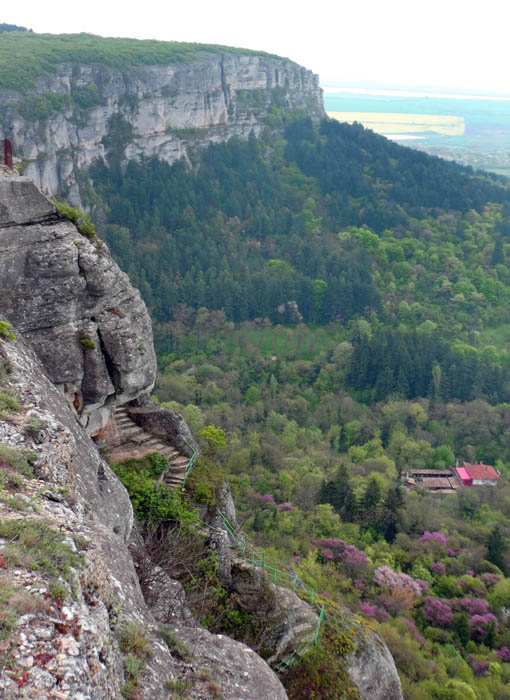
{"points": [[124, 423], [177, 468], [180, 461]]}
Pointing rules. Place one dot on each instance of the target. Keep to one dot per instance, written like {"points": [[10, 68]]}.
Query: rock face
{"points": [[72, 649], [73, 304], [166, 111], [372, 669]]}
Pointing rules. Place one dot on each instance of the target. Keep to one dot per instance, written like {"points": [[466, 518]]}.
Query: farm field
{"points": [[397, 123], [432, 122]]}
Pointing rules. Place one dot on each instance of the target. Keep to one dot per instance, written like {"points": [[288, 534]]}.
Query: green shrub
{"points": [[79, 218], [5, 331], [154, 504], [321, 673]]}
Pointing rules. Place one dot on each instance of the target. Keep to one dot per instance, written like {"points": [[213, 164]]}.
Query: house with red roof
{"points": [[477, 474]]}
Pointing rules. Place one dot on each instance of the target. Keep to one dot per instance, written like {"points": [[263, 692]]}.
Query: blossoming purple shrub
{"points": [[327, 554], [268, 498], [354, 560], [480, 624], [504, 654], [474, 606], [438, 613], [438, 568], [373, 611], [479, 668], [470, 584], [434, 537], [490, 579], [414, 631], [385, 577], [284, 507]]}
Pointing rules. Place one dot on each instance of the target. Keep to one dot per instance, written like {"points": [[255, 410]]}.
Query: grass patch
{"points": [[8, 405], [34, 545], [135, 646], [15, 602], [176, 646], [17, 460], [79, 218]]}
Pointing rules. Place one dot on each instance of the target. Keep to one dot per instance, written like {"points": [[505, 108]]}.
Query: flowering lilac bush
{"points": [[490, 579], [479, 668], [268, 498], [480, 624], [504, 654], [433, 537], [354, 560], [284, 507], [327, 554], [414, 631], [469, 584], [438, 568], [452, 552], [474, 606], [373, 611], [438, 613], [385, 577]]}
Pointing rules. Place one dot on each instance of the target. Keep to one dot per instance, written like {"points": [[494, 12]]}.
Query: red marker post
{"points": [[8, 153]]}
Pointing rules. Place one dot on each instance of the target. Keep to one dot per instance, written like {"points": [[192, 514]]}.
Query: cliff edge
{"points": [[72, 303], [82, 111]]}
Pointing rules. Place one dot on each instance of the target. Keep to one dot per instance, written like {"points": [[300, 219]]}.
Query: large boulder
{"points": [[77, 309]]}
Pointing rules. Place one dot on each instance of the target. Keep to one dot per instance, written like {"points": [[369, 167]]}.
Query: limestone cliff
{"points": [[74, 623], [72, 303], [165, 110]]}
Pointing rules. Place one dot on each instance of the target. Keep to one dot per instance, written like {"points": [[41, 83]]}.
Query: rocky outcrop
{"points": [[164, 424], [66, 642], [70, 300], [372, 670], [168, 111]]}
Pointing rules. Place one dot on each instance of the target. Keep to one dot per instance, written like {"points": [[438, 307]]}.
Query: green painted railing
{"points": [[281, 578], [190, 464]]}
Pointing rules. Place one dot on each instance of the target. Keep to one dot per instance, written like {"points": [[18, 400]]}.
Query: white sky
{"points": [[440, 43]]}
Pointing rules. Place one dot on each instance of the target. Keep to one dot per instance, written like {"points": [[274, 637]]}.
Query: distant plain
{"points": [[484, 142]]}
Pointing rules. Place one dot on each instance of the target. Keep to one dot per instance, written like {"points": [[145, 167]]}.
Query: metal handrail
{"points": [[191, 463], [292, 581]]}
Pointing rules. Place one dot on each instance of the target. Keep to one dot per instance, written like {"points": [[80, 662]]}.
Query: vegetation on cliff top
{"points": [[25, 56]]}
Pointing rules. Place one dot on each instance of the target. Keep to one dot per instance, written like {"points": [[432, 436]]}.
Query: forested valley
{"points": [[331, 310]]}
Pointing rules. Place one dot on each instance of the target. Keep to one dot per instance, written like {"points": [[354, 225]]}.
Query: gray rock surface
{"points": [[73, 304], [372, 669], [172, 111], [165, 424], [72, 651]]}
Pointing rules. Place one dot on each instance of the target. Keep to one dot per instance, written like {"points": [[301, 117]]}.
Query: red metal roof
{"points": [[481, 471], [463, 474]]}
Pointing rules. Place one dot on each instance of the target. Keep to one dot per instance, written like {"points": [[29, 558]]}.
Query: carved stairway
{"points": [[132, 441]]}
